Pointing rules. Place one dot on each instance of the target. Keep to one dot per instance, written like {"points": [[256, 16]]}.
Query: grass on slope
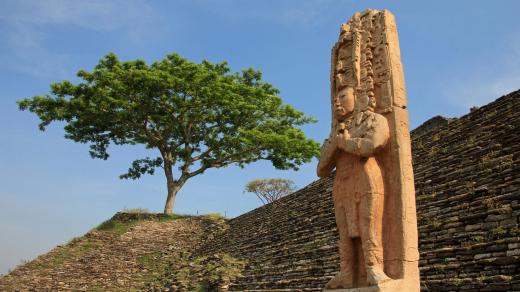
{"points": [[125, 253], [117, 226]]}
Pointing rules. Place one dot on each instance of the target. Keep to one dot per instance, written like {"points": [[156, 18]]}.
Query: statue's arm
{"points": [[327, 158], [374, 140]]}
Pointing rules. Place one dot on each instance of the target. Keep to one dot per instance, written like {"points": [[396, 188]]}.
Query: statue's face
{"points": [[344, 103]]}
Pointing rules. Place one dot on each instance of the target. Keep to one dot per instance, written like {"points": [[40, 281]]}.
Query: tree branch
{"points": [[150, 136], [188, 160], [261, 199], [202, 155]]}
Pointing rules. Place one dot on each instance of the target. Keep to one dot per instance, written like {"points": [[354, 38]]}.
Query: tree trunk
{"points": [[170, 200], [173, 188]]}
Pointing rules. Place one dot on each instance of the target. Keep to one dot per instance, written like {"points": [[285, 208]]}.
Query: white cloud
{"points": [[26, 53], [480, 91], [286, 12], [491, 79], [93, 14], [25, 27], [308, 13]]}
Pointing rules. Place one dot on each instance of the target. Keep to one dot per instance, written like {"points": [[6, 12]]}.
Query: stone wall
{"points": [[289, 245], [467, 179], [468, 200]]}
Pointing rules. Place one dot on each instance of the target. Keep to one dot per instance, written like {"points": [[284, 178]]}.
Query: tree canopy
{"points": [[197, 115], [271, 189]]}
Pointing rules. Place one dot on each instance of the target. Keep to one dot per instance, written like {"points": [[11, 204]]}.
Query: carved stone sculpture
{"points": [[369, 146]]}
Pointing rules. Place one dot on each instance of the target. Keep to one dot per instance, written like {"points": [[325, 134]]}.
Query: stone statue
{"points": [[369, 146]]}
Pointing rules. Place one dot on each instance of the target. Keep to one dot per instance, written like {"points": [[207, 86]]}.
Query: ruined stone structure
{"points": [[467, 177], [369, 147]]}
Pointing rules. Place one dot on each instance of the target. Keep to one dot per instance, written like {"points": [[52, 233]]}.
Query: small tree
{"points": [[198, 116], [270, 190]]}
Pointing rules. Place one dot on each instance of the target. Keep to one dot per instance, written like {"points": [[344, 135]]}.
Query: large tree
{"points": [[198, 116]]}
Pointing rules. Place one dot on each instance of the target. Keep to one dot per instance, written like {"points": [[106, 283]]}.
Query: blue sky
{"points": [[456, 54]]}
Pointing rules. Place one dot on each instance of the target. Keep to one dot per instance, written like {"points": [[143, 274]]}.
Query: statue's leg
{"points": [[371, 229], [344, 278], [360, 275]]}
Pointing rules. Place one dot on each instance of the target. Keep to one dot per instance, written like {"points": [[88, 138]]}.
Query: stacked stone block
{"points": [[467, 179]]}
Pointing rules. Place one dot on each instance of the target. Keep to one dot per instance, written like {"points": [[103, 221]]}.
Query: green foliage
{"points": [[136, 211], [76, 247], [154, 264], [116, 226], [498, 232], [207, 273], [293, 214], [214, 216], [169, 217], [197, 115], [270, 190], [490, 203], [433, 222]]}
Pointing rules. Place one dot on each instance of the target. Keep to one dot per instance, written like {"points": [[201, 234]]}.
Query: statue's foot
{"points": [[376, 276], [341, 280]]}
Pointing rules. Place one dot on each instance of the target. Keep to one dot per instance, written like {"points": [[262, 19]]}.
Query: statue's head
{"points": [[344, 103]]}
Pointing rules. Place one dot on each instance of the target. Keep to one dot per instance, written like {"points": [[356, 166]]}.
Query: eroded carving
{"points": [[369, 147]]}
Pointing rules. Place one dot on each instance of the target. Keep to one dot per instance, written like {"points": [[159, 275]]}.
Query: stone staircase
{"points": [[290, 244]]}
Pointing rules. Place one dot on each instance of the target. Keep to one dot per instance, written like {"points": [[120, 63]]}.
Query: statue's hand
{"points": [[345, 134], [341, 139], [336, 142]]}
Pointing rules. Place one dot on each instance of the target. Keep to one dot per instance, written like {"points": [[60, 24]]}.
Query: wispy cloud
{"points": [[492, 78], [25, 52], [481, 90], [131, 17], [25, 26], [284, 12], [307, 13]]}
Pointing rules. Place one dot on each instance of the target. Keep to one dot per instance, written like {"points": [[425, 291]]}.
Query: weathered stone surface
{"points": [[468, 168]]}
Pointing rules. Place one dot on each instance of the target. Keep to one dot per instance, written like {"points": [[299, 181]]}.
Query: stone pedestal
{"points": [[390, 286]]}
